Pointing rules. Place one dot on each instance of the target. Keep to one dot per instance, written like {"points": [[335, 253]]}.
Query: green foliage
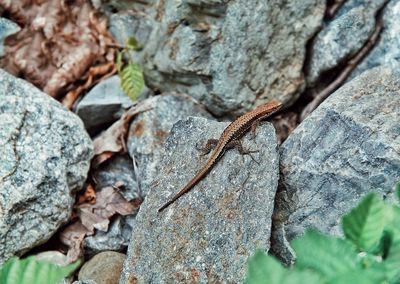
{"points": [[31, 271], [265, 269], [370, 252], [363, 224], [132, 81], [131, 76]]}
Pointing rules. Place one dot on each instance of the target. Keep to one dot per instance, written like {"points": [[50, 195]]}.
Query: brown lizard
{"points": [[228, 139]]}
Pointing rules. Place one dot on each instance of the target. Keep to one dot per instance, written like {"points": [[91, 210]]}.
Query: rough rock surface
{"points": [[207, 235], [134, 24], [348, 147], [104, 104], [149, 130], [7, 28], [103, 268], [343, 36], [387, 50], [116, 238], [231, 55], [45, 155]]}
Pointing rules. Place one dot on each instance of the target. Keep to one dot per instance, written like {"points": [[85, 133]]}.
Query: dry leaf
{"points": [[95, 216], [72, 236], [112, 140], [58, 43], [89, 196]]}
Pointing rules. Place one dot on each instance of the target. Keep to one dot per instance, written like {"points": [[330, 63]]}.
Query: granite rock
{"points": [[116, 238], [149, 130], [387, 49], [346, 148], [7, 28], [132, 24], [46, 155], [342, 36], [207, 235], [231, 55], [103, 268], [104, 104]]}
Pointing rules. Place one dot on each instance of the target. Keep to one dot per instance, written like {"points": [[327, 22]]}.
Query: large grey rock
{"points": [[7, 28], [149, 130], [346, 148], [231, 55], [387, 50], [343, 36], [207, 235], [103, 268], [45, 155]]}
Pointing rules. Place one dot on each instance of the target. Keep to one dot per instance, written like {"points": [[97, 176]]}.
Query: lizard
{"points": [[228, 139]]}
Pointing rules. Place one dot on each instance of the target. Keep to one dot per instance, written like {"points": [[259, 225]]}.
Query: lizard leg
{"points": [[238, 145], [211, 143], [253, 129]]}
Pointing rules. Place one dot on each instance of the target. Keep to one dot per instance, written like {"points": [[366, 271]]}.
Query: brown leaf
{"points": [[58, 43], [73, 236], [89, 196], [113, 139], [95, 216], [93, 221]]}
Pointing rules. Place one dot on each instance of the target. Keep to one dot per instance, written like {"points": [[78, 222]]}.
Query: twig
{"points": [[319, 98]]}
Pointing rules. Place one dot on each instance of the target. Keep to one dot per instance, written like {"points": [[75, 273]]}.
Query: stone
{"points": [[349, 146], [231, 55], [387, 49], [147, 134], [83, 282], [52, 256], [103, 268], [207, 235], [149, 130], [342, 36], [116, 238], [124, 25], [7, 28], [46, 154], [118, 171], [104, 104]]}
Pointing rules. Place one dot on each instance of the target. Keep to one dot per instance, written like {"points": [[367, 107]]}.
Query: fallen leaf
{"points": [[109, 202], [89, 196], [72, 236], [112, 141], [63, 46]]}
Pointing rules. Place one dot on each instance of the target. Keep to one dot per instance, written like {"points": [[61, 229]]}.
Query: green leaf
{"points": [[31, 271], [328, 256], [360, 277], [391, 261], [364, 224], [397, 189], [133, 43], [264, 269], [118, 61], [132, 81]]}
